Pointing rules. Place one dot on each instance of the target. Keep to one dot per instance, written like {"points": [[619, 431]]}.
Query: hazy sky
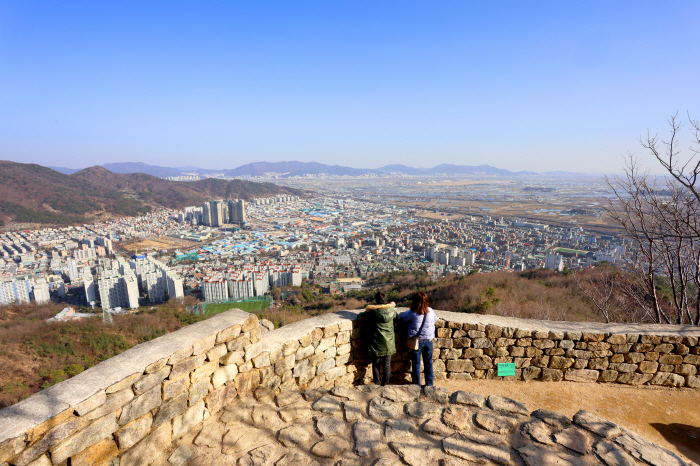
{"points": [[538, 86]]}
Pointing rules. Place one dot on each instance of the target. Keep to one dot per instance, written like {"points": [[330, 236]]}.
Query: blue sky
{"points": [[519, 85]]}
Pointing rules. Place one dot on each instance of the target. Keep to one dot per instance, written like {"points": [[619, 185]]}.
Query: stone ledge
{"points": [[19, 418], [560, 326], [276, 338]]}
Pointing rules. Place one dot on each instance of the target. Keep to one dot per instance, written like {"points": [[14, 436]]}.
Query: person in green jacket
{"points": [[378, 330]]}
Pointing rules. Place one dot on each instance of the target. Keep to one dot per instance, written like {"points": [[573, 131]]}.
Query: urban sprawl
{"points": [[236, 250]]}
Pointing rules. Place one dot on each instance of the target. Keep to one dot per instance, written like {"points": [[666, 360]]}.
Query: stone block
{"points": [[531, 373], [671, 359], [335, 372], [493, 331], [250, 323], [664, 348], [316, 335], [304, 352], [481, 343], [224, 375], [149, 381], [180, 355], [459, 365], [93, 433], [11, 448], [648, 367], [543, 344], [343, 349], [54, 436], [223, 397], [483, 363], [451, 353], [239, 343], [633, 358], [171, 388], [170, 409], [188, 420], [566, 344], [524, 342], [692, 359], [686, 369], [261, 360], [599, 364], [102, 452], [575, 336], [123, 384], [667, 379], [470, 353], [149, 448], [692, 381], [94, 402], [442, 343], [204, 345], [552, 375], [185, 366], [324, 366], [626, 367], [631, 378], [559, 362], [608, 376], [593, 337], [234, 357], [217, 352], [443, 332], [247, 382], [599, 346], [228, 334], [204, 371], [522, 333], [140, 406], [581, 375], [114, 402], [130, 434]]}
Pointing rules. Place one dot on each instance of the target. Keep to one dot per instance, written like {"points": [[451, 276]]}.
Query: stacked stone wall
{"points": [[133, 406], [469, 346]]}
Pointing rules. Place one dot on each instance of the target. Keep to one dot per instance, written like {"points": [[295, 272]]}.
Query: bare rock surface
{"points": [[380, 409], [467, 398], [401, 393], [356, 427]]}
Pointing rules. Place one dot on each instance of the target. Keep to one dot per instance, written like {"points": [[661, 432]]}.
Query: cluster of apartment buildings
{"points": [[248, 280]]}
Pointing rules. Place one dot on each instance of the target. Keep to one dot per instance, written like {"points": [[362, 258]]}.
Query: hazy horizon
{"points": [[524, 87]]}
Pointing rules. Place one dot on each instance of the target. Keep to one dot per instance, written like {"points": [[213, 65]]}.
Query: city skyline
{"points": [[545, 88]]}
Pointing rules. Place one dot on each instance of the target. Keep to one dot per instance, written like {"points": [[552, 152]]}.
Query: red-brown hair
{"points": [[420, 303]]}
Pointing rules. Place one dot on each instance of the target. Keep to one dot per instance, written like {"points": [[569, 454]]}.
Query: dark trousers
{"points": [[385, 363], [425, 349]]}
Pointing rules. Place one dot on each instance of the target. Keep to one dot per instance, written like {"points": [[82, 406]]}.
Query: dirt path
{"points": [[668, 417]]}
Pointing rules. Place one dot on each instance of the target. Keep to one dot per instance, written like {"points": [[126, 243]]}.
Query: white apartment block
{"points": [[214, 288], [118, 290], [41, 291], [89, 286], [554, 262]]}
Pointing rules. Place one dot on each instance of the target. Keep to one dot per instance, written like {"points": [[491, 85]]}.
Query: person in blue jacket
{"points": [[414, 316]]}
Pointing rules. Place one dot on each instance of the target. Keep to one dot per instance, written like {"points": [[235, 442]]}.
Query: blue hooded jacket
{"points": [[415, 320]]}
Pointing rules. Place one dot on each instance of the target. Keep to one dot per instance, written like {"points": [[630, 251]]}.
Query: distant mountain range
{"points": [[33, 193], [294, 168]]}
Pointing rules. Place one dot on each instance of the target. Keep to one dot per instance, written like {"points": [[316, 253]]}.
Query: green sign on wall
{"points": [[506, 369]]}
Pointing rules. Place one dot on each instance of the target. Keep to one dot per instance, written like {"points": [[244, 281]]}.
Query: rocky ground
{"points": [[397, 425]]}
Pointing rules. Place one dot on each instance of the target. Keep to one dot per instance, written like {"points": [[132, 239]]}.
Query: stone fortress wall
{"points": [[130, 408]]}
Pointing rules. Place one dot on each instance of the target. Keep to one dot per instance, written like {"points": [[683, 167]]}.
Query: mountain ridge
{"points": [[38, 194], [295, 168]]}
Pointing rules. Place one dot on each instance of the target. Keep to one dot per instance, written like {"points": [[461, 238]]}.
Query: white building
{"points": [[41, 291], [554, 262]]}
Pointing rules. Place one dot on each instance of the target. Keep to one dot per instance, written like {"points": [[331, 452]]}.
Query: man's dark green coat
{"points": [[378, 329]]}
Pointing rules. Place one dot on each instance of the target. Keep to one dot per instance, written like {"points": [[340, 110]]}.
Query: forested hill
{"points": [[33, 193]]}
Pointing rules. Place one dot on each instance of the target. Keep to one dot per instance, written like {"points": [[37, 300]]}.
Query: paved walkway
{"points": [[397, 425]]}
